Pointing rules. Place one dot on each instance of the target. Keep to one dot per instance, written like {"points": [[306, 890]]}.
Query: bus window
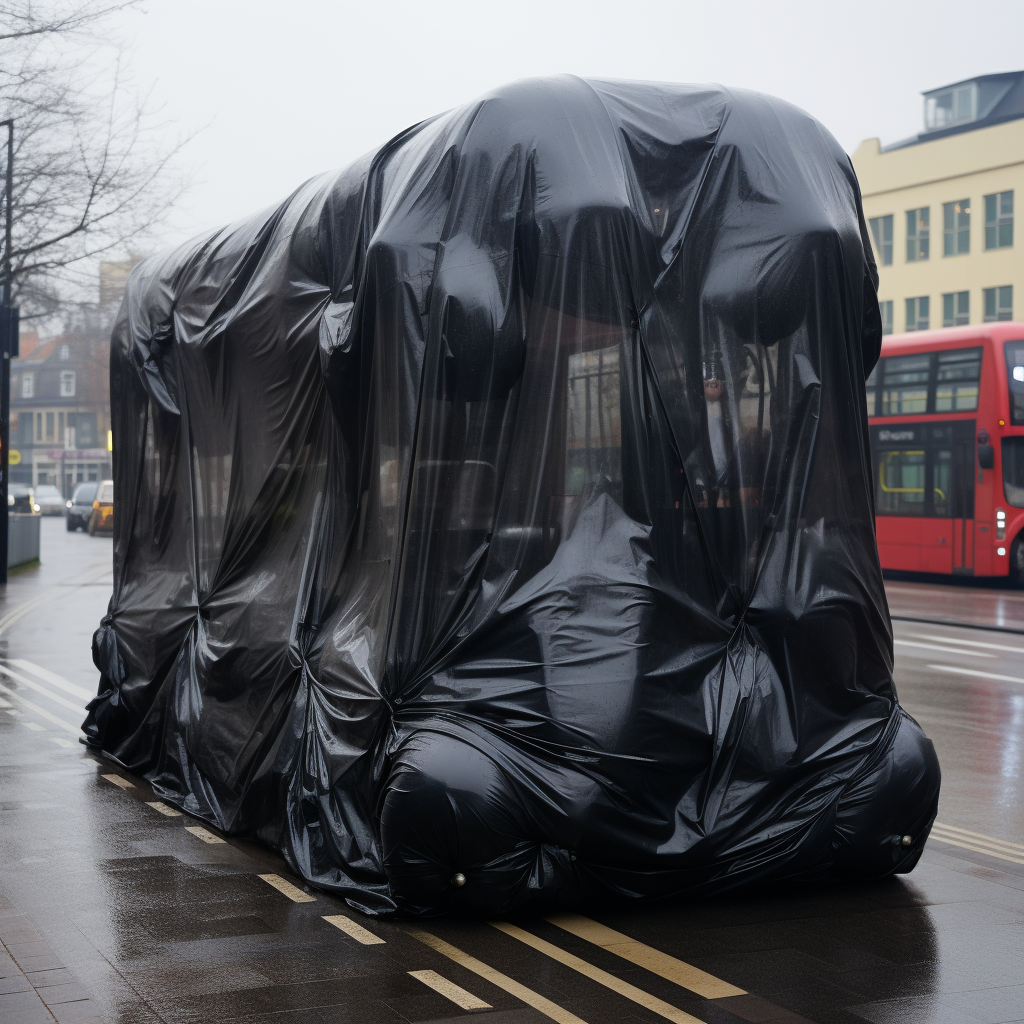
{"points": [[900, 482], [957, 377], [1013, 470], [1014, 352], [905, 385]]}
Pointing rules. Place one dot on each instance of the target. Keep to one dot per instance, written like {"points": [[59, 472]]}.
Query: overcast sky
{"points": [[281, 91]]}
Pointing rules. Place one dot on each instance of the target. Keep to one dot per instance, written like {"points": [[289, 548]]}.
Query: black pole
{"points": [[9, 344]]}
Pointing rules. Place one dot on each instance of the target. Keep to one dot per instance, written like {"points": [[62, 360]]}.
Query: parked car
{"points": [[102, 518], [79, 505], [49, 500], [21, 499]]}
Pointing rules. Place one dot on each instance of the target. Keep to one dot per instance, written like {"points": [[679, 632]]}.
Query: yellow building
{"points": [[941, 208]]}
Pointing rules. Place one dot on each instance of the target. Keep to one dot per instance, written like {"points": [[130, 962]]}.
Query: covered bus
{"points": [[946, 415]]}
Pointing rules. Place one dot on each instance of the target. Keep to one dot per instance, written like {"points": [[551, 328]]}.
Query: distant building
{"points": [[941, 208], [114, 277], [60, 396], [60, 410]]}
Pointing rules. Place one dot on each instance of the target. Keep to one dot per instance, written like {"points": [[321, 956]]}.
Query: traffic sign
{"points": [[14, 458]]}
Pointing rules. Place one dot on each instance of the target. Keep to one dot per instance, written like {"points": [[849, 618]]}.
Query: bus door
{"points": [[952, 487], [912, 489], [963, 499]]}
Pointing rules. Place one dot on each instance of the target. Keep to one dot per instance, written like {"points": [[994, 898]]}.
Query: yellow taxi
{"points": [[102, 518]]}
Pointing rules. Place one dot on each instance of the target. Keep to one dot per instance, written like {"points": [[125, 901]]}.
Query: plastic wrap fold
{"points": [[500, 506]]}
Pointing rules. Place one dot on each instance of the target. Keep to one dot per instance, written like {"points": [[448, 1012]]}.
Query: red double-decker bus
{"points": [[946, 414]]}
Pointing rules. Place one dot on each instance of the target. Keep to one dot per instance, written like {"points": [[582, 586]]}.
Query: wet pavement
{"points": [[972, 602], [116, 907]]}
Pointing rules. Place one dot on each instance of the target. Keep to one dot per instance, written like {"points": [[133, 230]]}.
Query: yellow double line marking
{"points": [[440, 984], [977, 842], [353, 929], [525, 995], [662, 964], [653, 960], [456, 993], [283, 886], [204, 834], [588, 970]]}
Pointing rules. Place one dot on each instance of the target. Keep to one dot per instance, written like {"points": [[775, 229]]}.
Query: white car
{"points": [[49, 501]]}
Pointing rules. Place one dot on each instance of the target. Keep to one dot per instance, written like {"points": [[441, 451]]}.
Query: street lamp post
{"points": [[8, 348]]}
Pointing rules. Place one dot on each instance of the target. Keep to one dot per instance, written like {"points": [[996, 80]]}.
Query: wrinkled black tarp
{"points": [[501, 506]]}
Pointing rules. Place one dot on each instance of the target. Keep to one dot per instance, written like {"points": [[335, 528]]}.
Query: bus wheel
{"points": [[1017, 561]]}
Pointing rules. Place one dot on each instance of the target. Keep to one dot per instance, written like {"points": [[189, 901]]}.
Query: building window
{"points": [[39, 426], [956, 227], [85, 429], [999, 220], [917, 234], [998, 303], [885, 308], [881, 233], [951, 106], [67, 383], [956, 309], [28, 385], [64, 353], [917, 313]]}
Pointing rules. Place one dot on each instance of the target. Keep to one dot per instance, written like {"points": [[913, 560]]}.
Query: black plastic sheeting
{"points": [[500, 506]]}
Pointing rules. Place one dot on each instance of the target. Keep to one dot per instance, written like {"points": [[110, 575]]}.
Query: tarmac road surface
{"points": [[116, 907]]}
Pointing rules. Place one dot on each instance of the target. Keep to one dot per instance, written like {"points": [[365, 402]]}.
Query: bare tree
{"points": [[92, 174], [32, 20]]}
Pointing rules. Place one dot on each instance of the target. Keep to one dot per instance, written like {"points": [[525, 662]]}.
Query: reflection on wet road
{"points": [[115, 906], [966, 687], [963, 604]]}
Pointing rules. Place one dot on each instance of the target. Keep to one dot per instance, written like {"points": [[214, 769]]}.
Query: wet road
{"points": [[966, 687], [115, 907]]}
